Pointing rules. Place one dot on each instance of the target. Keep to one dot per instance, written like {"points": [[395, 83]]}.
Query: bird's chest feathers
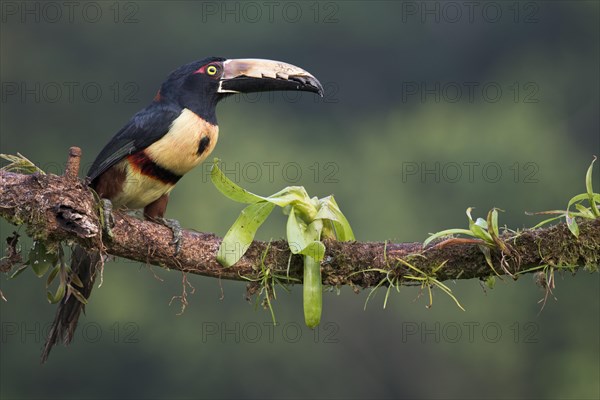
{"points": [[189, 141]]}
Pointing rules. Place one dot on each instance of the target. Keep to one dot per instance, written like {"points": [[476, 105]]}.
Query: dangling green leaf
{"points": [[77, 294], [242, 232], [490, 281], [76, 280], [52, 275], [312, 292], [56, 297], [40, 260]]}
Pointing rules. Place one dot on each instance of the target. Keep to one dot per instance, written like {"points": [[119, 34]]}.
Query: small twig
{"points": [[72, 168]]}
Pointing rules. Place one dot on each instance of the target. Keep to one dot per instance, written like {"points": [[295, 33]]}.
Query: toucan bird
{"points": [[141, 164]]}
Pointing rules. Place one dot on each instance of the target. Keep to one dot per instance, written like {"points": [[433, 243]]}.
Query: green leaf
{"points": [[493, 222], [52, 275], [585, 212], [242, 232], [19, 270], [295, 196], [76, 280], [304, 239], [487, 253], [326, 207], [283, 198], [446, 290], [312, 292], [314, 250], [493, 230], [471, 222], [229, 188], [575, 199], [590, 195], [490, 281], [481, 223], [572, 224], [546, 221], [56, 297], [40, 260], [481, 233], [589, 188], [330, 210], [77, 295], [479, 227], [296, 232], [20, 163], [447, 232]]}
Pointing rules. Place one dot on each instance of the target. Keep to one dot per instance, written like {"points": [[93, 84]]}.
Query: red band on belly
{"points": [[143, 164]]}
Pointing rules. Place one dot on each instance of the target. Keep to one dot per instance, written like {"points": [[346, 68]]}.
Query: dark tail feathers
{"points": [[85, 265]]}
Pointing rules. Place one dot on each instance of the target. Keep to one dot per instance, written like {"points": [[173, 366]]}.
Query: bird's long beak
{"points": [[247, 75]]}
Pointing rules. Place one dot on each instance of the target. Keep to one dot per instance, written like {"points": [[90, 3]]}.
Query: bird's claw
{"points": [[108, 219], [175, 227]]}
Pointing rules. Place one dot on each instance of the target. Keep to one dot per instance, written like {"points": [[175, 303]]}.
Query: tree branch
{"points": [[56, 209]]}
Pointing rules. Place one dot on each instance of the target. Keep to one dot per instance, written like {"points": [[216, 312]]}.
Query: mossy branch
{"points": [[60, 208]]}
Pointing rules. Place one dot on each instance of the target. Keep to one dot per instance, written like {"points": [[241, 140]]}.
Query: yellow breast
{"points": [[178, 151]]}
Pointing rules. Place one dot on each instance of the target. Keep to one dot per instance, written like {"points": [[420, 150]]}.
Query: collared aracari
{"points": [[142, 163]]}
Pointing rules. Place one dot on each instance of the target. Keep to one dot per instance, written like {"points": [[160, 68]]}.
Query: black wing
{"points": [[143, 129]]}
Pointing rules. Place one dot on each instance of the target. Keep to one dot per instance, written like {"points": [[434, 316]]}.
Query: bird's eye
{"points": [[211, 70]]}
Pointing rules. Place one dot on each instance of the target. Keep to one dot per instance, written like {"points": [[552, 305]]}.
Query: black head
{"points": [[200, 85]]}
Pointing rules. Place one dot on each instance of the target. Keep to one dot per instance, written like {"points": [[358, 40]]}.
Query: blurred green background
{"points": [[430, 108]]}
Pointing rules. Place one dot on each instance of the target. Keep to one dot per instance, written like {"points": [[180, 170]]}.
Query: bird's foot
{"points": [[108, 220], [175, 227]]}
